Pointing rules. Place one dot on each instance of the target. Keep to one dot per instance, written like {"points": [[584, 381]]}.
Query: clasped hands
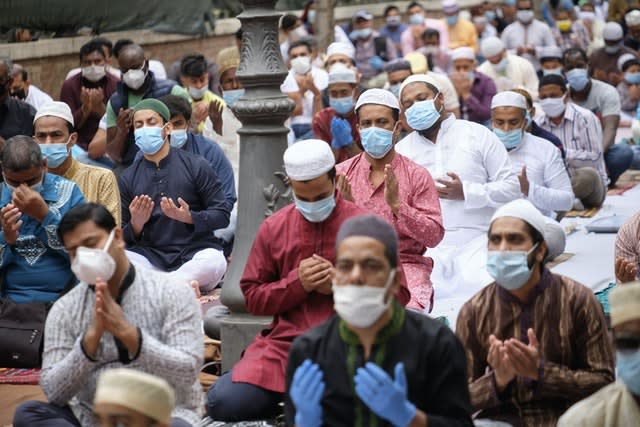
{"points": [[383, 395], [512, 358]]}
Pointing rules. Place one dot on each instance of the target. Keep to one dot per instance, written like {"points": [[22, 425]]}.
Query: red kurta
{"points": [[419, 220], [322, 130], [271, 288]]}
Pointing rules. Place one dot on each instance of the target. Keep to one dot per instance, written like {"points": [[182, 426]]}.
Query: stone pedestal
{"points": [[263, 139]]}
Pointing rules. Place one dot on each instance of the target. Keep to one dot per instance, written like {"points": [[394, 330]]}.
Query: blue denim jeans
{"points": [[618, 159]]}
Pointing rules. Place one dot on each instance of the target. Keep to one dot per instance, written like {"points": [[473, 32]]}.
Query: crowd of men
{"points": [[430, 157]]}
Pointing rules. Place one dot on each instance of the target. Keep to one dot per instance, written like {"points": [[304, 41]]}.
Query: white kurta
{"points": [[549, 184], [519, 74], [536, 34], [478, 157]]}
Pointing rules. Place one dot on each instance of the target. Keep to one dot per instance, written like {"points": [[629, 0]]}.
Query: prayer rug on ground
{"points": [[620, 189], [19, 376], [587, 213], [559, 259]]}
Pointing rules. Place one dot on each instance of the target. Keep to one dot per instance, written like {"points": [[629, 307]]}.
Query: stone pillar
{"points": [[263, 139]]}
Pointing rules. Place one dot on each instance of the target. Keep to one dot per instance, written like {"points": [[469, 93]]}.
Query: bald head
{"points": [[131, 57]]}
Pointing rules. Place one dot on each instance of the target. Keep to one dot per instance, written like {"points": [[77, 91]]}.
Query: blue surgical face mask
{"points": [[35, 187], [528, 118], [395, 89], [490, 14], [342, 105], [178, 138], [510, 269], [628, 367], [557, 71], [578, 78], [471, 75], [231, 96], [422, 115], [377, 142], [633, 78], [501, 66], [612, 50], [311, 16], [55, 154], [511, 138], [149, 139], [316, 211], [416, 19], [452, 20]]}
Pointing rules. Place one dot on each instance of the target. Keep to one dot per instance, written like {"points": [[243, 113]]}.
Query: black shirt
{"points": [[16, 118], [434, 361]]}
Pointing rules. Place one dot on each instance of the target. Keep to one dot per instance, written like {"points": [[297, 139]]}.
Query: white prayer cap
{"points": [[549, 52], [612, 31], [632, 18], [491, 46], [308, 159], [424, 78], [340, 73], [450, 6], [55, 109], [554, 237], [624, 301], [627, 57], [340, 48], [524, 210], [508, 99], [144, 393], [378, 97], [463, 53]]}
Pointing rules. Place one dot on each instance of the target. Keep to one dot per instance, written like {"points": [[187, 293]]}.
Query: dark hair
{"points": [[298, 43], [574, 51], [119, 45], [21, 153], [430, 32], [553, 79], [193, 65], [390, 8], [177, 105], [105, 43], [332, 173], [239, 34], [288, 21], [83, 213], [395, 113], [90, 47], [414, 4], [538, 238]]}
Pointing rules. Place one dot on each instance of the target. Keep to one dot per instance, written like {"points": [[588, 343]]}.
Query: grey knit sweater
{"points": [[167, 313]]}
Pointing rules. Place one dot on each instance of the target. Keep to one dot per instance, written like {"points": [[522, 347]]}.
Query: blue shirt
{"points": [[211, 151], [393, 34], [37, 267], [165, 242]]}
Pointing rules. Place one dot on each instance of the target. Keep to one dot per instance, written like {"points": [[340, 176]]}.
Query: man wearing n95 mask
{"points": [[363, 348]]}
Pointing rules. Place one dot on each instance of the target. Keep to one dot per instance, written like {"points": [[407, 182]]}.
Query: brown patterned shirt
{"points": [[577, 357]]}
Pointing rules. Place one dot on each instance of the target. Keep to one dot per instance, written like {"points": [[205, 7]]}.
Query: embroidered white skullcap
{"points": [[378, 97], [464, 52], [632, 18], [524, 210], [340, 73], [144, 393], [55, 109], [550, 52], [508, 99], [450, 6], [308, 159], [341, 48], [491, 46], [554, 237], [624, 302], [612, 31], [424, 78], [624, 58]]}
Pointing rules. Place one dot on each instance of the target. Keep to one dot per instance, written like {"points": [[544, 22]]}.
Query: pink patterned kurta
{"points": [[418, 223]]}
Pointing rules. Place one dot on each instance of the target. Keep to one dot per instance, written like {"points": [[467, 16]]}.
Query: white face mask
{"points": [[93, 73], [197, 93], [91, 263], [361, 305], [301, 65], [134, 78]]}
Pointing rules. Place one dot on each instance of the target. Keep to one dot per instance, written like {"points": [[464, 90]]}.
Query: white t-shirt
{"points": [[321, 81]]}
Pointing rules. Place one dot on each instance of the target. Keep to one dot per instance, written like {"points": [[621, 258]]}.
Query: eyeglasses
{"points": [[627, 342]]}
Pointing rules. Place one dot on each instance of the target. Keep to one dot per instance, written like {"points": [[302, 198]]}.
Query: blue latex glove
{"points": [[306, 393], [341, 132], [384, 396], [376, 63]]}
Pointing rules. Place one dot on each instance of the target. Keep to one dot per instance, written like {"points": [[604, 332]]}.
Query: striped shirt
{"points": [[628, 240], [576, 354], [581, 136]]}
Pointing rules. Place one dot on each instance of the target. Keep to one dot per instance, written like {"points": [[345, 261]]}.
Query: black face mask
{"points": [[19, 94]]}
